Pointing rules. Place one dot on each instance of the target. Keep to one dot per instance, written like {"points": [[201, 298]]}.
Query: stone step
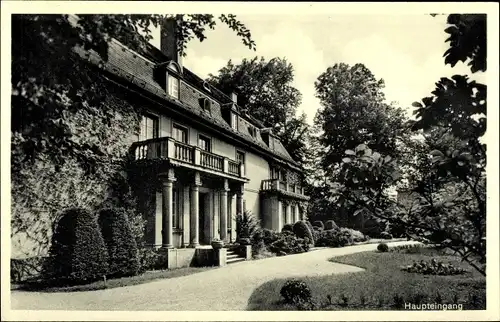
{"points": [[235, 260], [232, 256]]}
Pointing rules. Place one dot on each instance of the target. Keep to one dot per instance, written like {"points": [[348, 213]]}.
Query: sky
{"points": [[404, 50]]}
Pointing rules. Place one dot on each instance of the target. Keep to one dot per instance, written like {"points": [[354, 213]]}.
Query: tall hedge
{"points": [[120, 242], [302, 230], [78, 253]]}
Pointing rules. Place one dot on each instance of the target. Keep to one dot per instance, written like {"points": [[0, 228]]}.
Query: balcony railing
{"points": [[168, 148], [279, 185]]}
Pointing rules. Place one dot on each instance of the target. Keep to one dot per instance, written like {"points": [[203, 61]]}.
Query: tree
{"points": [[450, 180], [352, 112], [265, 90]]}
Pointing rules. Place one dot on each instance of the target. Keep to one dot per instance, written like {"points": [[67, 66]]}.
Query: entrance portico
{"points": [[195, 208]]}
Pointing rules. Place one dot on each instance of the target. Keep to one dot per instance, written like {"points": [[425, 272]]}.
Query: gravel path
{"points": [[225, 288]]}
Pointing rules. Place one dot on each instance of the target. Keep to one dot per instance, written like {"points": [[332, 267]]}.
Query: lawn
{"points": [[382, 285], [146, 277]]}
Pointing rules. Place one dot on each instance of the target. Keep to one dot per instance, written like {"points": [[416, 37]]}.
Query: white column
{"points": [[289, 217], [186, 228], [195, 212], [167, 230], [223, 211]]}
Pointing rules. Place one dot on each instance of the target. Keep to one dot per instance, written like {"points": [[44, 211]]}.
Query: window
{"points": [[173, 86], [275, 173], [180, 134], [292, 210], [205, 104], [240, 158], [234, 121], [149, 128], [204, 143], [175, 208], [282, 175]]}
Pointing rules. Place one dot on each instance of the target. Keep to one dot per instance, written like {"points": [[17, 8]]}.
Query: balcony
{"points": [[284, 188], [179, 153]]}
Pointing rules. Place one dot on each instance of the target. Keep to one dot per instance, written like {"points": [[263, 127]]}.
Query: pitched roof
{"points": [[139, 70]]}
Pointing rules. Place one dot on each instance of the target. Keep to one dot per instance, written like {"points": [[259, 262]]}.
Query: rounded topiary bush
{"points": [[330, 224], [296, 292], [78, 253], [302, 230], [383, 248], [319, 223], [287, 227], [120, 242]]}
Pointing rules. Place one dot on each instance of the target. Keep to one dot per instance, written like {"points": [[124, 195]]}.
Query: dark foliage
{"points": [[295, 292], [382, 247], [121, 245], [78, 253], [319, 223], [301, 230], [330, 224]]}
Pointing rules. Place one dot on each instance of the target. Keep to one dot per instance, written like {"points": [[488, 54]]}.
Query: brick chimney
{"points": [[168, 40]]}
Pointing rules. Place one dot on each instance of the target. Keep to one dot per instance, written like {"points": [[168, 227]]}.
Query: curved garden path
{"points": [[225, 288]]}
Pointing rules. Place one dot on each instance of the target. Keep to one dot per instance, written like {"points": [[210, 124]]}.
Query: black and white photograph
{"points": [[276, 161]]}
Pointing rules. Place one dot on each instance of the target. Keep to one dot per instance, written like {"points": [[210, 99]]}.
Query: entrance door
{"points": [[201, 218]]}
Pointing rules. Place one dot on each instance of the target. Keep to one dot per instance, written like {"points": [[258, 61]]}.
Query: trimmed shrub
{"points": [[296, 292], [356, 235], [330, 224], [385, 235], [287, 227], [302, 230], [318, 223], [148, 259], [288, 243], [121, 244], [78, 253], [382, 247]]}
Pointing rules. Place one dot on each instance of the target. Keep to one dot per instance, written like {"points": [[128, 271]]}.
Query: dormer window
{"points": [[234, 121], [252, 130], [206, 87], [205, 104], [173, 86]]}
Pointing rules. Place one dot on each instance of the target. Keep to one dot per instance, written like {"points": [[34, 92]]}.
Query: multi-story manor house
{"points": [[212, 159]]}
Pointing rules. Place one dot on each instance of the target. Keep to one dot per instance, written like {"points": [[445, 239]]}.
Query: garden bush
{"points": [[385, 235], [287, 227], [330, 224], [296, 292], [339, 237], [121, 244], [318, 223], [434, 267], [288, 244], [78, 253], [302, 230], [382, 247], [356, 235], [148, 259]]}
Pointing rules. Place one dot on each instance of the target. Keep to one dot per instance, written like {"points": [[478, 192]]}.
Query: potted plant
{"points": [[217, 243], [245, 241]]}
